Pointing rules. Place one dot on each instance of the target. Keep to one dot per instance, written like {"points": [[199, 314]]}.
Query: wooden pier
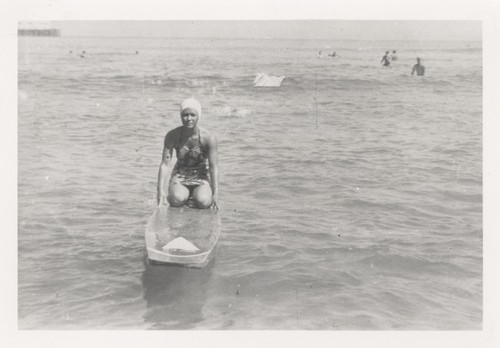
{"points": [[38, 32]]}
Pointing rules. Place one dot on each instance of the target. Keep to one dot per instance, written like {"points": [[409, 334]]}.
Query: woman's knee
{"points": [[204, 202], [203, 196], [177, 195]]}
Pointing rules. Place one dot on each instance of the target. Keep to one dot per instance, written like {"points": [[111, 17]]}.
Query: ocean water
{"points": [[351, 196]]}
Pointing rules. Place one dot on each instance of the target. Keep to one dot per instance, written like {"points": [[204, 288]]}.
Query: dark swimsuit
{"points": [[191, 169]]}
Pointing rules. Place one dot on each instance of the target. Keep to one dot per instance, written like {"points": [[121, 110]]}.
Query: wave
{"points": [[122, 77], [474, 50], [407, 266]]}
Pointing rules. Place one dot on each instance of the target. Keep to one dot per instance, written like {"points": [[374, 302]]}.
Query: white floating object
{"points": [[180, 243], [265, 80]]}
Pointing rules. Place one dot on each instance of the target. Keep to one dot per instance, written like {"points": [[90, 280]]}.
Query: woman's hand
{"points": [[215, 198]]}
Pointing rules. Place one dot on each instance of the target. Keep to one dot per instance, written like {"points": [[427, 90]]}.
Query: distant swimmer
{"points": [[386, 61], [82, 55], [333, 55], [320, 55], [394, 56], [419, 68]]}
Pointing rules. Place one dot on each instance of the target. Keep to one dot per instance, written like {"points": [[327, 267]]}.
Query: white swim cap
{"points": [[193, 104]]}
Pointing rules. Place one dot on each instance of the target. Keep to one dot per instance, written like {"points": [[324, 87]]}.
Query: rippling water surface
{"points": [[351, 196]]}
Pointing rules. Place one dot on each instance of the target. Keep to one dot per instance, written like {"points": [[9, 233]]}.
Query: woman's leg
{"points": [[202, 195], [178, 194]]}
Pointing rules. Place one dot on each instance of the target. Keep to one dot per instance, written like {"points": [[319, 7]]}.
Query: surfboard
{"points": [[184, 236]]}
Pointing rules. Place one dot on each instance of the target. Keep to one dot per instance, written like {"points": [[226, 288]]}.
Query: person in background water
{"points": [[195, 174], [386, 61], [418, 68], [394, 56]]}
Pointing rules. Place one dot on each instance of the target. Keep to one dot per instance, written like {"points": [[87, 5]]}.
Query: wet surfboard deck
{"points": [[183, 236]]}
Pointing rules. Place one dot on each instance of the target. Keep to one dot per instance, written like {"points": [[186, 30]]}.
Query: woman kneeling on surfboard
{"points": [[195, 176]]}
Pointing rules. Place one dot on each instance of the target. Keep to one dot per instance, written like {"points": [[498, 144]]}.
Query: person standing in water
{"points": [[418, 68], [195, 174], [393, 55], [386, 61]]}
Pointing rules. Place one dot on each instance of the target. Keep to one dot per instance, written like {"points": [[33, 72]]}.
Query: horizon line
{"points": [[258, 38]]}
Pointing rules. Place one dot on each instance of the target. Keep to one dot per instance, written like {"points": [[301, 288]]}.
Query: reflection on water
{"points": [[175, 295]]}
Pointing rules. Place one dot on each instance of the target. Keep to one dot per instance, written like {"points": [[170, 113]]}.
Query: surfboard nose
{"points": [[181, 244]]}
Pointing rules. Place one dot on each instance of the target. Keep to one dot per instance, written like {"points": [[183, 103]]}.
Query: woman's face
{"points": [[189, 117]]}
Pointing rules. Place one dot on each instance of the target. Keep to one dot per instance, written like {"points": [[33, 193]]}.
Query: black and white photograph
{"points": [[188, 173]]}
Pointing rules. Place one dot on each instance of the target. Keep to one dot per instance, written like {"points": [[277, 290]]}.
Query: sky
{"points": [[465, 30]]}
